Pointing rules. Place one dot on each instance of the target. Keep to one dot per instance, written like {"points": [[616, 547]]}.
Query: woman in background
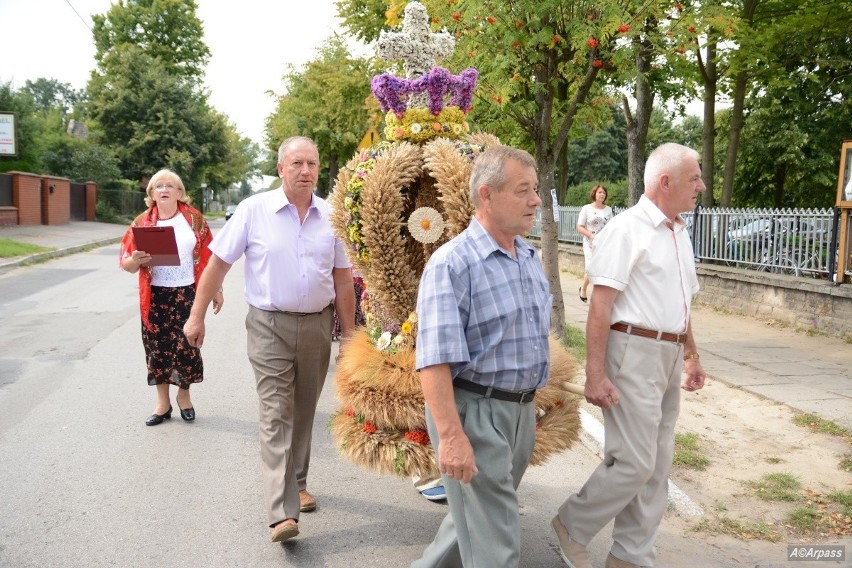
{"points": [[166, 293], [593, 217]]}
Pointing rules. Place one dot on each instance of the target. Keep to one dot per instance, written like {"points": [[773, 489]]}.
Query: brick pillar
{"points": [[91, 200], [55, 201], [26, 196]]}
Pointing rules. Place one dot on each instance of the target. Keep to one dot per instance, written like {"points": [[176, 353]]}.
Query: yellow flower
{"points": [[405, 328]]}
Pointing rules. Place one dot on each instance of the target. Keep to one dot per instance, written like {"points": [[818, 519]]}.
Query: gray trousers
{"points": [[483, 527], [631, 484], [290, 357]]}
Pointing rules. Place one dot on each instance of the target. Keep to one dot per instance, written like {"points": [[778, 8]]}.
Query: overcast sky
{"points": [[251, 42]]}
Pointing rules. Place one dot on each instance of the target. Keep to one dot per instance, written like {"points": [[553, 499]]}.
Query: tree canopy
{"points": [[146, 102], [328, 100]]}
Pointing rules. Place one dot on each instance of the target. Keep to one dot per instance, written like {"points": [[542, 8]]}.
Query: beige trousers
{"points": [[631, 484], [290, 357]]}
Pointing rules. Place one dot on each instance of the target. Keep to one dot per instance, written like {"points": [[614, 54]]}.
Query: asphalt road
{"points": [[84, 483]]}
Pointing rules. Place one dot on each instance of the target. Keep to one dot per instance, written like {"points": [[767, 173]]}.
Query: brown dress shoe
{"points": [[306, 501], [573, 553], [285, 530]]}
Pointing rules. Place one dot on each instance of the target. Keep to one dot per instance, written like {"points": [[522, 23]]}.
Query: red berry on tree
{"points": [[519, 24], [457, 16], [691, 29], [490, 19], [624, 28], [592, 42], [597, 63]]}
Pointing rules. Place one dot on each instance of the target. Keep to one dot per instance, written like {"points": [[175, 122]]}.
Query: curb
{"points": [[592, 436], [42, 256]]}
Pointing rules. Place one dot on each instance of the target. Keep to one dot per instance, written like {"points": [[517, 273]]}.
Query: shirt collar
{"points": [[657, 217], [279, 201], [486, 245]]}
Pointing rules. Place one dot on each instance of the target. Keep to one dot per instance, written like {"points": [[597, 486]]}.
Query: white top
{"points": [[651, 264], [288, 264], [593, 219], [183, 275]]}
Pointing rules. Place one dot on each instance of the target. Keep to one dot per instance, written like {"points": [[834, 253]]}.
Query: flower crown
{"points": [[392, 92]]}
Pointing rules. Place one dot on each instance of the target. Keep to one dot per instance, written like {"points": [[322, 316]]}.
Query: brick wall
{"points": [[8, 216], [26, 196], [55, 201]]}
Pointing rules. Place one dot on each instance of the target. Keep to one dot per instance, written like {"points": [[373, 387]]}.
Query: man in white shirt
{"points": [[295, 269], [638, 340]]}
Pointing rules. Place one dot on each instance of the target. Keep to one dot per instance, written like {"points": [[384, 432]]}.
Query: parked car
{"points": [[229, 211], [762, 229]]}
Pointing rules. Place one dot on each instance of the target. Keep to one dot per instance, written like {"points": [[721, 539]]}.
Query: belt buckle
{"points": [[526, 396]]}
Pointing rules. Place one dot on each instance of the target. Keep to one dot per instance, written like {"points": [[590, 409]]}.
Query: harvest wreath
{"points": [[393, 205]]}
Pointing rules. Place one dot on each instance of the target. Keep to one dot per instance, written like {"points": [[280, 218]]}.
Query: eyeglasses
{"points": [[163, 186]]}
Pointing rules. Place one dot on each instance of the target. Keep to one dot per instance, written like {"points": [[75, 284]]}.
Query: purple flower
{"points": [[393, 92]]}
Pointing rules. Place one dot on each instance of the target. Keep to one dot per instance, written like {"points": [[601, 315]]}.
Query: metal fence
{"points": [[122, 202], [801, 242]]}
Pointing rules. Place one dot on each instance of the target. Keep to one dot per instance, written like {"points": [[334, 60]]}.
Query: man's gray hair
{"points": [[666, 159], [488, 168], [282, 149]]}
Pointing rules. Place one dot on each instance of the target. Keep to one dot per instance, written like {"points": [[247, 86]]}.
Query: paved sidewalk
{"points": [[62, 239], [807, 373]]}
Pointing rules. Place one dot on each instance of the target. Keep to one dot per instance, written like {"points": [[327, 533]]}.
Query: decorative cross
{"points": [[415, 44]]}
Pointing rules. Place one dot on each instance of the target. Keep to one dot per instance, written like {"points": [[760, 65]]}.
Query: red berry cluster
{"points": [[417, 436], [592, 42], [369, 427]]}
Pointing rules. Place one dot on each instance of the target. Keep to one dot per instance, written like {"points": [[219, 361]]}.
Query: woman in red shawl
{"points": [[166, 293]]}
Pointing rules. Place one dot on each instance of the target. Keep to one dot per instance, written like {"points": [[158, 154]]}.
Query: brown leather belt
{"points": [[642, 332], [302, 314], [522, 397]]}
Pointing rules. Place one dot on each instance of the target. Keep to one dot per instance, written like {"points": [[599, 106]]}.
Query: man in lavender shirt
{"points": [[295, 269]]}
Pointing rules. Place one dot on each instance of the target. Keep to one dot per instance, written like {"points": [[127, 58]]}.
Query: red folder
{"points": [[160, 243]]}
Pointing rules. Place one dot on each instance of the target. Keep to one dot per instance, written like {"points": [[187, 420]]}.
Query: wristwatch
{"points": [[691, 356]]}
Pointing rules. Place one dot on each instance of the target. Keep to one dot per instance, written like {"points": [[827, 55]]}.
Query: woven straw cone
{"points": [[390, 275], [384, 389], [381, 386], [451, 172]]}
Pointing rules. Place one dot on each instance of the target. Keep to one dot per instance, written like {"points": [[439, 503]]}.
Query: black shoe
{"points": [[187, 414], [155, 419], [583, 298]]}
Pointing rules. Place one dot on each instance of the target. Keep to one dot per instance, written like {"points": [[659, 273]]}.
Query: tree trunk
{"points": [[637, 125], [708, 134], [562, 182], [780, 178], [734, 139], [550, 236], [333, 168], [737, 119]]}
